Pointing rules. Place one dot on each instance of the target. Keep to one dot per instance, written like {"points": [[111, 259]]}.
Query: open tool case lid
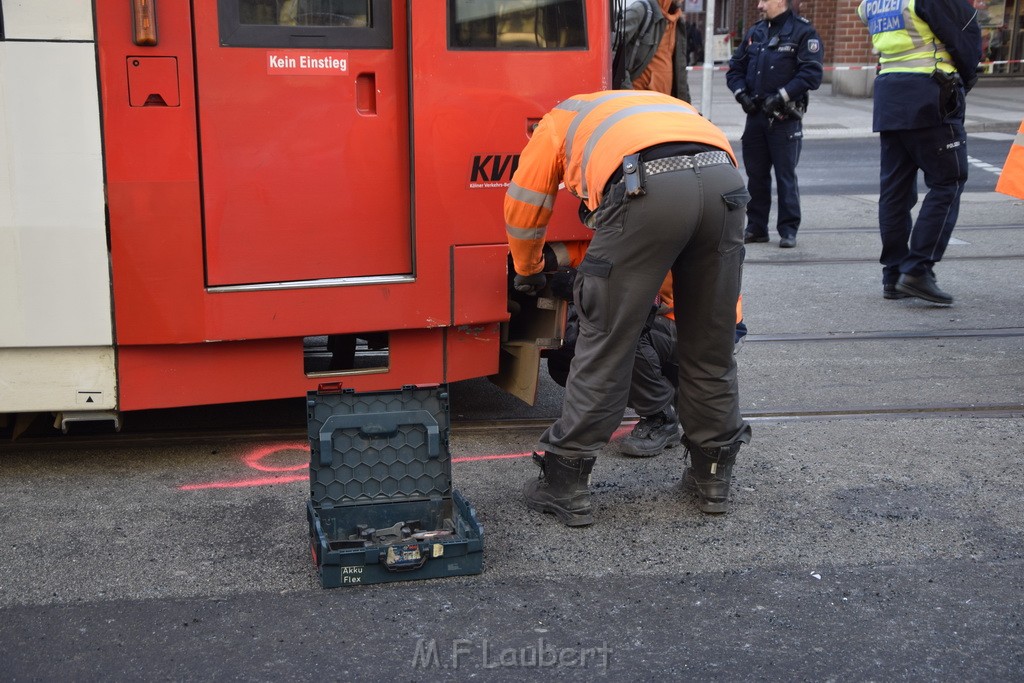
{"points": [[378, 447]]}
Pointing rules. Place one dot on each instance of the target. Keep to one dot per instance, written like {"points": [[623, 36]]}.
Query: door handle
{"points": [[144, 22], [366, 94]]}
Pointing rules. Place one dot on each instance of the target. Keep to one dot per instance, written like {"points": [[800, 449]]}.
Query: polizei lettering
{"points": [[884, 15], [492, 170]]}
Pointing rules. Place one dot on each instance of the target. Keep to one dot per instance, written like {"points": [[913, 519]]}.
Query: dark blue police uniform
{"points": [[920, 118], [777, 56]]}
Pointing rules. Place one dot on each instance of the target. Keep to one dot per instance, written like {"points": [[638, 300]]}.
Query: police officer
{"points": [[633, 158], [770, 74], [928, 59]]}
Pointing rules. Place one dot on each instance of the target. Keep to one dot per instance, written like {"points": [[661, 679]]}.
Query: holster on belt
{"points": [[633, 175]]}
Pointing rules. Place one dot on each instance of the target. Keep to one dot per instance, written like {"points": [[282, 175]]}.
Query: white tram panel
{"points": [[56, 339], [47, 19]]}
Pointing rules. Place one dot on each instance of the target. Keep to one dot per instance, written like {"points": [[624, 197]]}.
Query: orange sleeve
{"points": [[530, 198]]}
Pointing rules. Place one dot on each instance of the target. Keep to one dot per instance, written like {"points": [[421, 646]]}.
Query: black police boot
{"points": [[753, 237], [923, 287], [709, 475], [652, 435], [562, 488]]}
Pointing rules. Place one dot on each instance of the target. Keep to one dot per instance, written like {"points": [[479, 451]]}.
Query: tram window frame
{"points": [[493, 36], [377, 34]]}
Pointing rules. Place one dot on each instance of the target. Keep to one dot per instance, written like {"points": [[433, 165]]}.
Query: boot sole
{"points": [[564, 516], [626, 449]]}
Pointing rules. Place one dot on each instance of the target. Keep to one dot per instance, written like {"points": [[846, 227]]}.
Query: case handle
{"points": [[379, 425]]}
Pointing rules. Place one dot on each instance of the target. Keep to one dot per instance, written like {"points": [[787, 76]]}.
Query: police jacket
{"points": [[916, 38], [789, 61], [581, 143]]}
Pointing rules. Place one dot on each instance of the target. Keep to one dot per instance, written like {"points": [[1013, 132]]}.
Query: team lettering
{"points": [[892, 22]]}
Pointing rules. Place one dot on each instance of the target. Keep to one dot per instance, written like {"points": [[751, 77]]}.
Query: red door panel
{"points": [[505, 64], [304, 154]]}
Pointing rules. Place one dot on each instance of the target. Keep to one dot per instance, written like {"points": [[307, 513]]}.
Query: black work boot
{"points": [[562, 488], [652, 435], [709, 475]]}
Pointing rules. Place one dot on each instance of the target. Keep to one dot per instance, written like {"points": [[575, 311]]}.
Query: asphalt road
{"points": [[857, 159], [876, 532]]}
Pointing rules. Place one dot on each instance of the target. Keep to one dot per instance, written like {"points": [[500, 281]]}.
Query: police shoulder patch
{"points": [[813, 45]]}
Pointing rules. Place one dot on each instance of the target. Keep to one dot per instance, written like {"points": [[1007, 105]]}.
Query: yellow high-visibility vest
{"points": [[906, 44]]}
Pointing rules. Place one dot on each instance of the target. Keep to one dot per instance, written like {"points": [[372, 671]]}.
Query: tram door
{"points": [[304, 144]]}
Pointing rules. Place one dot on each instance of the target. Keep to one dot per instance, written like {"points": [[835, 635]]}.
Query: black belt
{"points": [[666, 150]]}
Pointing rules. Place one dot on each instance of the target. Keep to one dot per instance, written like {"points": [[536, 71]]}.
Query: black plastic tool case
{"points": [[381, 504]]}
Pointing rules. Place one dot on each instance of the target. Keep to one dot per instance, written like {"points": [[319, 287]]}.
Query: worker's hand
{"points": [[775, 105], [747, 102], [530, 284]]}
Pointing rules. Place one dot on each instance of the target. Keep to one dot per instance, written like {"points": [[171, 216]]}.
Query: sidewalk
{"points": [[993, 105]]}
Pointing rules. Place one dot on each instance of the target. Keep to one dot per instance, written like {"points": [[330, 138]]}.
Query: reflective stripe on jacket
{"points": [[1011, 180], [581, 142], [905, 42]]}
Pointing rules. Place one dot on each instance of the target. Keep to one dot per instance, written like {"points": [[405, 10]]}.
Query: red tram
{"points": [[200, 190]]}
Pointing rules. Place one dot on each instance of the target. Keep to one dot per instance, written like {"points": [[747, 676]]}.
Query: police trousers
{"points": [[769, 144], [690, 221], [941, 153]]}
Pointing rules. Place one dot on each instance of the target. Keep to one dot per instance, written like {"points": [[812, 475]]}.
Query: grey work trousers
{"points": [[650, 390], [690, 221]]}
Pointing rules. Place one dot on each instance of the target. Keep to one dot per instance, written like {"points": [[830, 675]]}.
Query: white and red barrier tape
{"points": [[862, 67]]}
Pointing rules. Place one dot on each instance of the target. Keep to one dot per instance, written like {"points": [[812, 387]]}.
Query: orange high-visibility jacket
{"points": [[581, 142], [1011, 180]]}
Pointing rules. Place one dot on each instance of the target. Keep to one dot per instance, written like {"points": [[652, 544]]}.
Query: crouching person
{"points": [[661, 190]]}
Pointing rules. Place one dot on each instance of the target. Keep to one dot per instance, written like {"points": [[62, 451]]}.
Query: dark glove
{"points": [[550, 259], [775, 105], [530, 284], [747, 102], [969, 82]]}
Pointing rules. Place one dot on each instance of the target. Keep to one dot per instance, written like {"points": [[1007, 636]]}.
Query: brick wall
{"points": [[845, 36]]}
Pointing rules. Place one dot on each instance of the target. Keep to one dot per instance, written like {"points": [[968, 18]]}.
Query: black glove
{"points": [[775, 105], [747, 102], [969, 82], [550, 259], [530, 284]]}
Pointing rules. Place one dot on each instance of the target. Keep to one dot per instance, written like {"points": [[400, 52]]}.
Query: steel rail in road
{"points": [[490, 425], [873, 260]]}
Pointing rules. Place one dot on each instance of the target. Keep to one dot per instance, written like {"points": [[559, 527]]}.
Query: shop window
{"points": [[517, 24], [305, 23]]}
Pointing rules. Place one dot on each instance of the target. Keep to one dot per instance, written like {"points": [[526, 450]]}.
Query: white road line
{"points": [[978, 163]]}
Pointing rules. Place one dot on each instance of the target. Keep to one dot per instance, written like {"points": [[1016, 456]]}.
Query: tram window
{"points": [[517, 24], [304, 12], [305, 23]]}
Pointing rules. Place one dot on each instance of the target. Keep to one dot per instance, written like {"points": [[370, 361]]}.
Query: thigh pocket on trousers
{"points": [[591, 292], [732, 227], [949, 143]]}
